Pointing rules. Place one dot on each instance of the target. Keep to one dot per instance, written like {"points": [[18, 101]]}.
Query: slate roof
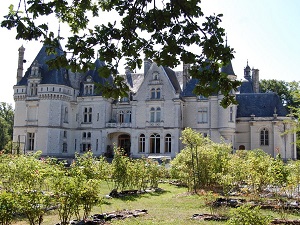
{"points": [[246, 87], [259, 104], [173, 78], [190, 85], [53, 76], [228, 69]]}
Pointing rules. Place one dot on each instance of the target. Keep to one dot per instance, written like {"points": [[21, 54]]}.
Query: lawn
{"points": [[174, 205]]}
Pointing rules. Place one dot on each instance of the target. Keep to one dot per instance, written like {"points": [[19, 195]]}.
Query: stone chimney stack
{"points": [[185, 75], [255, 80], [147, 64], [20, 63]]}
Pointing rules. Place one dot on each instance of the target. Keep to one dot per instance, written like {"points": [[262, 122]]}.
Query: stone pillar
{"points": [[20, 63]]}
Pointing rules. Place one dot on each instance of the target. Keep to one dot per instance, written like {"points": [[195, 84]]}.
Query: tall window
{"points": [[128, 116], [155, 143], [65, 147], [153, 93], [88, 89], [158, 93], [86, 147], [121, 116], [168, 143], [264, 137], [33, 89], [202, 114], [231, 114], [66, 115], [31, 141], [155, 114], [142, 140], [87, 115]]}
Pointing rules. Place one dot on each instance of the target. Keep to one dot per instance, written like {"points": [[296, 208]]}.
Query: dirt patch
{"points": [[104, 218]]}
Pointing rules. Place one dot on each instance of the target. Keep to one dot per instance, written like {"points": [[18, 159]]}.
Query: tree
{"points": [[169, 32], [283, 89], [6, 124]]}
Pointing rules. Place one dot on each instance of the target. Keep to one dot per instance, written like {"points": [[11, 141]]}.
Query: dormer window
{"points": [[89, 89], [35, 70], [89, 86]]}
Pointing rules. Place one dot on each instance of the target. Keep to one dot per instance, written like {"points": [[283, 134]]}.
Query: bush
{"points": [[248, 215]]}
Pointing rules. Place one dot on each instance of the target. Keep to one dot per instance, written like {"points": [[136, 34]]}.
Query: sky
{"points": [[266, 33]]}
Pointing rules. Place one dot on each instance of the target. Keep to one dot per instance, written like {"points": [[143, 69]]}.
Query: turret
{"points": [[20, 63], [247, 71]]}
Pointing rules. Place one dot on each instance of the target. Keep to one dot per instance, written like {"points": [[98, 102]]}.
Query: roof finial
{"points": [[226, 40], [247, 62]]}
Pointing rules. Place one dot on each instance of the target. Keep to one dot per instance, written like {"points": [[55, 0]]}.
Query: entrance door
{"points": [[124, 143]]}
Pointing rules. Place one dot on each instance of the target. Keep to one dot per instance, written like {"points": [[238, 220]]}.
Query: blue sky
{"points": [[264, 32]]}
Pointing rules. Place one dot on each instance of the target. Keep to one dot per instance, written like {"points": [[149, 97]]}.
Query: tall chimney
{"points": [[147, 64], [185, 75], [20, 63], [255, 80]]}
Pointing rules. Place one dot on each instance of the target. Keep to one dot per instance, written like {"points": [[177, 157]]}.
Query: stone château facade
{"points": [[60, 113]]}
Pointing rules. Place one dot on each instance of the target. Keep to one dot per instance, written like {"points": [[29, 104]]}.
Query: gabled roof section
{"points": [[173, 78], [48, 76], [260, 105]]}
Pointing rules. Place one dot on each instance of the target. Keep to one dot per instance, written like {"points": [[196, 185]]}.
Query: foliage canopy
{"points": [[169, 32]]}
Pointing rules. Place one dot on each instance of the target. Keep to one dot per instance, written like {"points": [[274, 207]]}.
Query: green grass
{"points": [[172, 206]]}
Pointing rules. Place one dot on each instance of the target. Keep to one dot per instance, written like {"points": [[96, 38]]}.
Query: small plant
{"points": [[209, 198], [248, 215]]}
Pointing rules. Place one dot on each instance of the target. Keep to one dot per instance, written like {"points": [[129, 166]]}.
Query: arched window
{"points": [[158, 93], [168, 143], [155, 143], [121, 116], [264, 137], [142, 140], [83, 135], [89, 135], [128, 116], [158, 113], [152, 114], [153, 93]]}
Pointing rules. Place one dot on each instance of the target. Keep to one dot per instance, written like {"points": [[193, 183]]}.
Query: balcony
{"points": [[31, 122], [115, 125], [155, 124]]}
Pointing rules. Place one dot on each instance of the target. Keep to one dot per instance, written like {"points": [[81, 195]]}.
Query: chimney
{"points": [[20, 63], [147, 64], [185, 75], [255, 80]]}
